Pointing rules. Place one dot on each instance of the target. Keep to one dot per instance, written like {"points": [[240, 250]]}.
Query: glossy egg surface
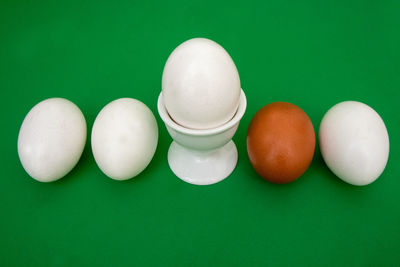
{"points": [[124, 138], [51, 139], [200, 85], [280, 142], [354, 142]]}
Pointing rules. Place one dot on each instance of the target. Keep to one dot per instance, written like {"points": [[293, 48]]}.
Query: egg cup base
{"points": [[202, 167], [202, 157]]}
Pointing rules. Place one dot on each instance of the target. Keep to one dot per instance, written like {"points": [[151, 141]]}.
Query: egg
{"points": [[124, 138], [51, 139], [280, 142], [354, 142], [200, 85]]}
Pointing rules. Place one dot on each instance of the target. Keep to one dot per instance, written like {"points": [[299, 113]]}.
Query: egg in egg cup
{"points": [[206, 156]]}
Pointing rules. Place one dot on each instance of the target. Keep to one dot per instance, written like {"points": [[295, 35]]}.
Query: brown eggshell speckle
{"points": [[280, 142]]}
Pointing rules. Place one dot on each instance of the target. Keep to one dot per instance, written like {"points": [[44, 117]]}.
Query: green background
{"points": [[311, 53]]}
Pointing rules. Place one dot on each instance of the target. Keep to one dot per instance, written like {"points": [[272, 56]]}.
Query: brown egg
{"points": [[280, 142]]}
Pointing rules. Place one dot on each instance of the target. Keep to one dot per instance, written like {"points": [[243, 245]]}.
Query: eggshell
{"points": [[124, 138], [200, 85], [354, 142], [51, 139], [280, 142]]}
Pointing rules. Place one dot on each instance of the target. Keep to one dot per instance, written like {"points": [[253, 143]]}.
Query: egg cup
{"points": [[202, 157]]}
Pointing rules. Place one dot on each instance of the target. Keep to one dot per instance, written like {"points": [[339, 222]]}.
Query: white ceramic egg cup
{"points": [[202, 157]]}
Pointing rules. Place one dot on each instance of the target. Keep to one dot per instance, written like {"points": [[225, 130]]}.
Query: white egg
{"points": [[51, 139], [200, 85], [354, 142], [124, 138]]}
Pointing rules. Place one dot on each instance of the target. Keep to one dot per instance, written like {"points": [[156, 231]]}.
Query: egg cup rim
{"points": [[162, 111]]}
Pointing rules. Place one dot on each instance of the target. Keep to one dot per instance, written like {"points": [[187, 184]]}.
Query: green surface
{"points": [[311, 53]]}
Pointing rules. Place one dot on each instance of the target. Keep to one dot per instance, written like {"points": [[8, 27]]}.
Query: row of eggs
{"points": [[201, 90], [353, 140], [53, 135]]}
